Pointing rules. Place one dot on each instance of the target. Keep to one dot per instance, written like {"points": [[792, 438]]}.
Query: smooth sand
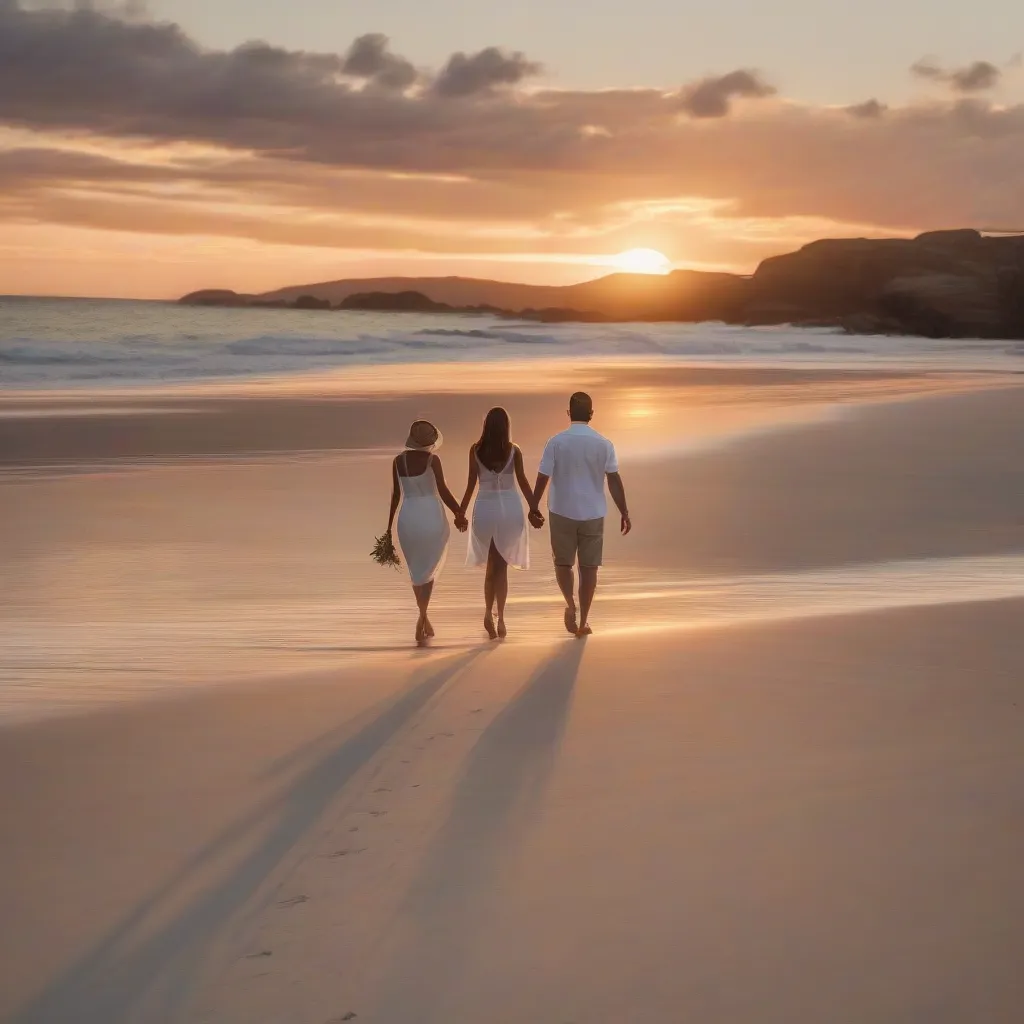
{"points": [[801, 822], [798, 821]]}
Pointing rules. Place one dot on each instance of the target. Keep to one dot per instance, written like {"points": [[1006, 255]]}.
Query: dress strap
{"points": [[405, 464]]}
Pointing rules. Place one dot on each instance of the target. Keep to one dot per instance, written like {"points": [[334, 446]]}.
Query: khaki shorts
{"points": [[572, 538]]}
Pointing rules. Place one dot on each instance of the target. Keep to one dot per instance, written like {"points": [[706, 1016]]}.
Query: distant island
{"points": [[940, 284]]}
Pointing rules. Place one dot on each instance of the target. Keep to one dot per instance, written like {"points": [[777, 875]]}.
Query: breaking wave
{"points": [[64, 343]]}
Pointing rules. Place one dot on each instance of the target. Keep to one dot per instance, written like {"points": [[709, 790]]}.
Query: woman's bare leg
{"points": [[499, 569], [500, 588], [423, 593], [490, 582]]}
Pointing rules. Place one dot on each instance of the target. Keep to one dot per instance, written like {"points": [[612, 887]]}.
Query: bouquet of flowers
{"points": [[384, 552]]}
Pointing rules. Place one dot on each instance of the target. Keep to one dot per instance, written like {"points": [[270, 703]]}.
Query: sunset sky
{"points": [[147, 150]]}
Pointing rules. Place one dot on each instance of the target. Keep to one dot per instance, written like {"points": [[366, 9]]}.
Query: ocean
{"points": [[48, 344]]}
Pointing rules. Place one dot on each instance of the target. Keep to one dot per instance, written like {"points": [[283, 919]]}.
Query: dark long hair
{"points": [[495, 444]]}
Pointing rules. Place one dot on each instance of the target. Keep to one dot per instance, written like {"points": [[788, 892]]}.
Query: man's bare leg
{"points": [[567, 585], [588, 587]]}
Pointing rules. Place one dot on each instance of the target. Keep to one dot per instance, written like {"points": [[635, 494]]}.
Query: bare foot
{"points": [[489, 626], [570, 621], [428, 629], [584, 630], [502, 631], [421, 634]]}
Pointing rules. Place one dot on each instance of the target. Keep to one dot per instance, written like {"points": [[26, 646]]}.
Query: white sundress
{"points": [[423, 528], [498, 516]]}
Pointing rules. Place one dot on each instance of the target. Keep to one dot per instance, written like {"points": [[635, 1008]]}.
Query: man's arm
{"points": [[536, 517], [546, 468], [618, 493]]}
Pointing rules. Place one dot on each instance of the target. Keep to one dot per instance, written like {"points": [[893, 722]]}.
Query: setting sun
{"points": [[642, 261]]}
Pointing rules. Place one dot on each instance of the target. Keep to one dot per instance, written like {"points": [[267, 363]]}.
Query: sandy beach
{"points": [[782, 782]]}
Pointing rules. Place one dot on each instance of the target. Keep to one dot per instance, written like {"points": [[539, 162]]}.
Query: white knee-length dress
{"points": [[498, 516], [423, 528]]}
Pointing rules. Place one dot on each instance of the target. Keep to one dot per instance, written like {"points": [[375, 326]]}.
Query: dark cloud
{"points": [[979, 76], [712, 97], [868, 109], [927, 68], [369, 58], [473, 74], [84, 68], [126, 10]]}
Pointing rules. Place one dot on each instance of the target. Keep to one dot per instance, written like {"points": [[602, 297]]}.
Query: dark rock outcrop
{"points": [[217, 297], [394, 302], [311, 302], [940, 284]]}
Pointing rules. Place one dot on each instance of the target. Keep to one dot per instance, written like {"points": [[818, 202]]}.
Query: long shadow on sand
{"points": [[500, 791], [146, 969]]}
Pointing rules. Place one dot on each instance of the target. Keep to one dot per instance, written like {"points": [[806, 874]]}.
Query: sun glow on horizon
{"points": [[642, 261]]}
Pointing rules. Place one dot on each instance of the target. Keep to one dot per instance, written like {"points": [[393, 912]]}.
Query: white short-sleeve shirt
{"points": [[577, 460]]}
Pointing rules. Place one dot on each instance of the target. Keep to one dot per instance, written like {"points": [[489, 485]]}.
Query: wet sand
{"points": [[808, 811]]}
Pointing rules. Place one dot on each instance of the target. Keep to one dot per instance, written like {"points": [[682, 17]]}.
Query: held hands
{"points": [[535, 519], [461, 522]]}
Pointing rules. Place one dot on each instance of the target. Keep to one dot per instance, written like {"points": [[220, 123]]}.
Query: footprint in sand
{"points": [[344, 853], [257, 956], [382, 789], [294, 901]]}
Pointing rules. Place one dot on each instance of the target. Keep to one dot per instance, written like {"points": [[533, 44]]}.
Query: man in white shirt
{"points": [[577, 462]]}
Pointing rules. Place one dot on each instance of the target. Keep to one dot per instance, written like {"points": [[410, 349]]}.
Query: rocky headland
{"points": [[940, 284]]}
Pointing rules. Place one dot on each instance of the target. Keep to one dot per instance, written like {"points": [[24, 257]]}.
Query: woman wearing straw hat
{"points": [[418, 483]]}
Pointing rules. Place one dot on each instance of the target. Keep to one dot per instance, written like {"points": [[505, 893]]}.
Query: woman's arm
{"points": [[396, 494], [474, 474], [524, 484], [447, 497]]}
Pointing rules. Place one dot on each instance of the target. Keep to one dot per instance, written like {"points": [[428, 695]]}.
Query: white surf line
{"points": [[846, 590], [17, 473]]}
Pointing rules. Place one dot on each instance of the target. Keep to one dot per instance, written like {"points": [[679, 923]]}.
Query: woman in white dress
{"points": [[418, 483], [498, 537]]}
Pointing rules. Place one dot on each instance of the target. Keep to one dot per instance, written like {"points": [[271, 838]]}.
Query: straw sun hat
{"points": [[423, 437]]}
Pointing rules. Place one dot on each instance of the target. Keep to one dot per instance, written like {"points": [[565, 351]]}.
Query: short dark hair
{"points": [[581, 407]]}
